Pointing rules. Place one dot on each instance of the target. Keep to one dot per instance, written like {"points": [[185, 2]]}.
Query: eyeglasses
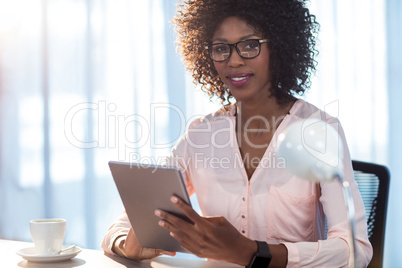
{"points": [[247, 49]]}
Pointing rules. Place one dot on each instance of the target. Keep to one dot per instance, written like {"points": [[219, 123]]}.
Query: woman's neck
{"points": [[265, 115]]}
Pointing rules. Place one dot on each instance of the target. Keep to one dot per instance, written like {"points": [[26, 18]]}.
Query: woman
{"points": [[255, 56]]}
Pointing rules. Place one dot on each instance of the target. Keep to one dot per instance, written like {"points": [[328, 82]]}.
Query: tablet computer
{"points": [[143, 189]]}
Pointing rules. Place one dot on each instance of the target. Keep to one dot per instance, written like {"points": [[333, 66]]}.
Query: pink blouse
{"points": [[273, 205]]}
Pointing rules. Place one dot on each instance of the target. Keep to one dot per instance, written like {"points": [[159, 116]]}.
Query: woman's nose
{"points": [[235, 60]]}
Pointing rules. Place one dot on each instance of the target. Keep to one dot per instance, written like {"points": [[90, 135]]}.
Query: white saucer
{"points": [[29, 254]]}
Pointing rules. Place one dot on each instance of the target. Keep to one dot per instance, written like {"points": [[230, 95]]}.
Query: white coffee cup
{"points": [[48, 235]]}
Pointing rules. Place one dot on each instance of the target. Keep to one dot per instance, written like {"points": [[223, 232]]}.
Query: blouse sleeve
{"points": [[179, 158], [119, 228]]}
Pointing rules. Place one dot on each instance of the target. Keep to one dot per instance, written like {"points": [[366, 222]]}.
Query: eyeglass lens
{"points": [[246, 49]]}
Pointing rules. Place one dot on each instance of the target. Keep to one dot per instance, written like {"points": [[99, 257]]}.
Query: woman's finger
{"points": [[174, 228], [170, 253], [188, 210], [170, 219]]}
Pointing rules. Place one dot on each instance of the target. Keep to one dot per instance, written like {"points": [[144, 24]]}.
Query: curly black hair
{"points": [[287, 24]]}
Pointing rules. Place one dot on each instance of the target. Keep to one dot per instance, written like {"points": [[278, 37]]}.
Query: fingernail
{"points": [[157, 212], [174, 199], [161, 223]]}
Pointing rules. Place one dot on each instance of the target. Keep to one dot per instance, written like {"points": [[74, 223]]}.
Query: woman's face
{"points": [[247, 79]]}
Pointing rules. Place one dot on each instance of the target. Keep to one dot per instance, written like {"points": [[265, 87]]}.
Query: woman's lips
{"points": [[239, 80]]}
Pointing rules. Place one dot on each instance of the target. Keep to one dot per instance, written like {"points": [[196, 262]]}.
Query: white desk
{"points": [[97, 259]]}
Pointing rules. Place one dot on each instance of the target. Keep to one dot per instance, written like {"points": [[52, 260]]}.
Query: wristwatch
{"points": [[262, 257]]}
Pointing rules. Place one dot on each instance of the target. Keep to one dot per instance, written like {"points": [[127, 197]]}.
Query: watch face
{"points": [[261, 262]]}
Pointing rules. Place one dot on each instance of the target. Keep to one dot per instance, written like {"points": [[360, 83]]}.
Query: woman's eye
{"points": [[220, 48], [250, 45]]}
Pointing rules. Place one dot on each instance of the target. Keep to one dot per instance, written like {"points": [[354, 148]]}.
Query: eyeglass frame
{"points": [[260, 41]]}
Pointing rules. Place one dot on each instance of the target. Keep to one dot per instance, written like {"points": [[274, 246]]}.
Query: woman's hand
{"points": [[208, 237], [127, 246]]}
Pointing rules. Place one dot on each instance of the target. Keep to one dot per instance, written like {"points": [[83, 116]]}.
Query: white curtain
{"points": [[83, 82], [350, 82]]}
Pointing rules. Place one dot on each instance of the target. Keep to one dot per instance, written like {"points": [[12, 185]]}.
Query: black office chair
{"points": [[373, 182]]}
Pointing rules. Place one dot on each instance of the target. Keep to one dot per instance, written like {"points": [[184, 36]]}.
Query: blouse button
{"points": [[243, 231], [243, 216], [244, 199]]}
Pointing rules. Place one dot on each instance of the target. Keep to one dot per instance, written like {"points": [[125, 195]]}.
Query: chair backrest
{"points": [[373, 182]]}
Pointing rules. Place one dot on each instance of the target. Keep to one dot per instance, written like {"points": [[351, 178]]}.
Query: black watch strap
{"points": [[262, 257]]}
